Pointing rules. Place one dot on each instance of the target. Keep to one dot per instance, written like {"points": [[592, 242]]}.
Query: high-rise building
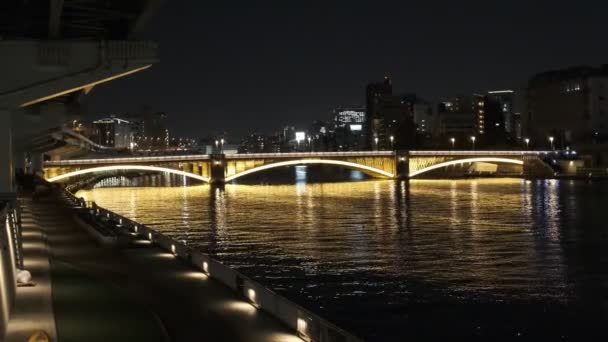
{"points": [[113, 132], [349, 129], [506, 100], [349, 116], [375, 95], [149, 129], [457, 118], [424, 118], [569, 105], [467, 116], [389, 122]]}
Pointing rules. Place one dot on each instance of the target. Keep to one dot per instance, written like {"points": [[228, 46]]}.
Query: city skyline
{"points": [[246, 66]]}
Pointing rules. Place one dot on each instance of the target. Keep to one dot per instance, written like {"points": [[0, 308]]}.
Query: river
{"points": [[493, 259]]}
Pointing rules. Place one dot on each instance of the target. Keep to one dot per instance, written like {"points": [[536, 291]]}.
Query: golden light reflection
{"points": [[194, 275], [282, 337], [455, 231], [239, 306]]}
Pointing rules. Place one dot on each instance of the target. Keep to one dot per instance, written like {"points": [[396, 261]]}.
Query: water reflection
{"points": [[348, 249]]}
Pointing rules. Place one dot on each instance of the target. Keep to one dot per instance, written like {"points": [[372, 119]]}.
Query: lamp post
{"points": [[392, 141], [217, 143], [453, 141], [376, 141], [222, 145], [473, 140], [551, 141], [309, 144], [527, 140]]}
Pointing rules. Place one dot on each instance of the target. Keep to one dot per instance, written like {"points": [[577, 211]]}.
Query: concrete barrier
{"points": [[105, 240], [307, 325]]}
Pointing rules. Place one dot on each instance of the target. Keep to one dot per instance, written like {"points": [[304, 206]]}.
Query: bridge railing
{"points": [[305, 324], [479, 153], [309, 154], [126, 160]]}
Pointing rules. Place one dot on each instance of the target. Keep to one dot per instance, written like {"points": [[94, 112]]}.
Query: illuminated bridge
{"points": [[221, 168]]}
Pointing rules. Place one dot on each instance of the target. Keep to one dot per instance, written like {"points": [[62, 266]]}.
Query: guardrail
{"points": [[126, 160], [479, 153], [288, 155], [306, 325], [10, 259], [592, 172], [196, 157], [310, 154]]}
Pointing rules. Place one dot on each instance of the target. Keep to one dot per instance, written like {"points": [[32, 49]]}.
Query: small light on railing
{"points": [[206, 267], [302, 327], [120, 221], [150, 236], [251, 295], [97, 211], [108, 215], [173, 249], [135, 229]]}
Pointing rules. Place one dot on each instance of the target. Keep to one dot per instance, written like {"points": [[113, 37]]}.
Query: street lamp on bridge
{"points": [[551, 141], [453, 141], [376, 141], [473, 140], [527, 140], [392, 141]]}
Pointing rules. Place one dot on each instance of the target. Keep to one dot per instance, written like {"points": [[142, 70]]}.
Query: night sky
{"points": [[258, 65]]}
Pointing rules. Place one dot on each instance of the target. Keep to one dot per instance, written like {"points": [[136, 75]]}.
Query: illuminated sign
{"points": [[300, 136], [356, 127]]}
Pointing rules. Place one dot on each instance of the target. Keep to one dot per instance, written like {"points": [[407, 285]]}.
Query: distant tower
{"points": [[374, 94]]}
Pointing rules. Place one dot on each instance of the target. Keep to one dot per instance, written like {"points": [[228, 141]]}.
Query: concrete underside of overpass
{"points": [[52, 54]]}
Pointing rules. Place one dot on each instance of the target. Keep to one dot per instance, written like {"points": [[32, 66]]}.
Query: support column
{"points": [[402, 164], [7, 172], [218, 169]]}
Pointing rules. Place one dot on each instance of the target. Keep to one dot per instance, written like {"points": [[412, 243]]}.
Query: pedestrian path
{"points": [[137, 293], [33, 308]]}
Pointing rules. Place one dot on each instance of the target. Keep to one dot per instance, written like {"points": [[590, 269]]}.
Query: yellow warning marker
{"points": [[39, 336]]}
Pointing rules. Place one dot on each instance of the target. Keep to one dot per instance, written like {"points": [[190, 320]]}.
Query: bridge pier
{"points": [[402, 165], [217, 169]]}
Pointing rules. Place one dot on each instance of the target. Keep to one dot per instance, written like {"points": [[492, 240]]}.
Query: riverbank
{"points": [[138, 292]]}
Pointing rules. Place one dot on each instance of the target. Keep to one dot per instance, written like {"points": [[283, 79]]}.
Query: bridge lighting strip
{"points": [[127, 168], [462, 161], [311, 161], [89, 85], [478, 153], [184, 158], [200, 157]]}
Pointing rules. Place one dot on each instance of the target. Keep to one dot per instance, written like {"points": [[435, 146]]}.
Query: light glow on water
{"points": [[347, 249]]}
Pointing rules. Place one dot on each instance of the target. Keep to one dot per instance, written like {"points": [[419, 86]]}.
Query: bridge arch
{"points": [[127, 168], [350, 165], [466, 160]]}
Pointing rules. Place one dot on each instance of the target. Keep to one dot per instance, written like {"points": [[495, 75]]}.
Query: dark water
{"points": [[494, 259]]}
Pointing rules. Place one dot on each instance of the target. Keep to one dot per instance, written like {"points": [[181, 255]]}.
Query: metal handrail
{"points": [[479, 153]]}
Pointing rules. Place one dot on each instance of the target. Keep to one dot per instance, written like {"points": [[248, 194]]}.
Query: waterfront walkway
{"points": [[137, 293]]}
